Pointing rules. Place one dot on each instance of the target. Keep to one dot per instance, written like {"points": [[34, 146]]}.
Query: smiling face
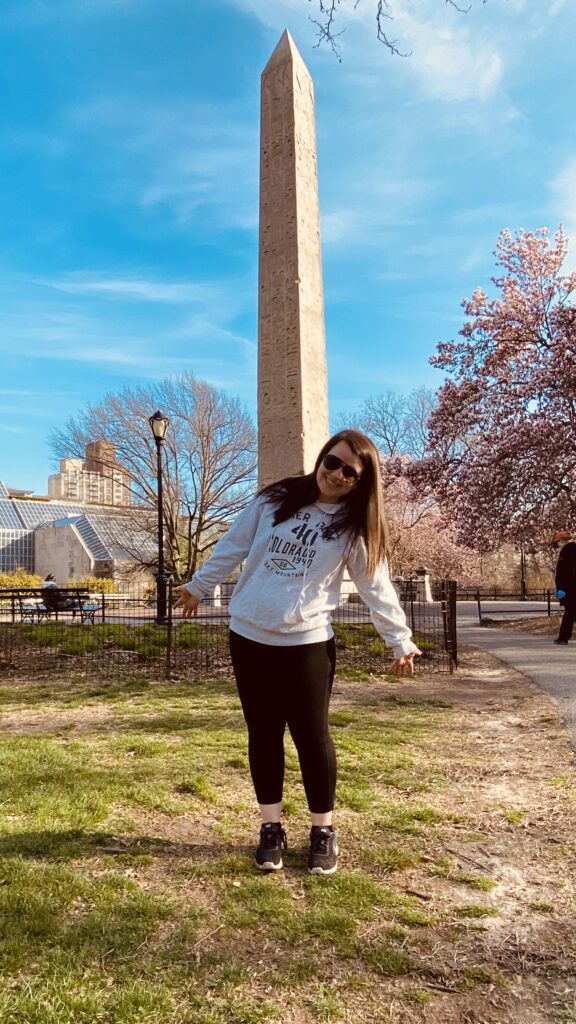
{"points": [[332, 483]]}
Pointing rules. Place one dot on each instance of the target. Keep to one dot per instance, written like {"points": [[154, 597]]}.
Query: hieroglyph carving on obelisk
{"points": [[292, 384]]}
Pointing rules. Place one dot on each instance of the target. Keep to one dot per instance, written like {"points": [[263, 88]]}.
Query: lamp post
{"points": [[159, 425], [523, 588]]}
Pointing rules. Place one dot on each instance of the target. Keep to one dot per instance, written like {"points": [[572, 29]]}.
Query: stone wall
{"points": [[61, 551]]}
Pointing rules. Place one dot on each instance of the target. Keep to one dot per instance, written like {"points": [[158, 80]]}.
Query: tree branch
{"points": [[329, 10]]}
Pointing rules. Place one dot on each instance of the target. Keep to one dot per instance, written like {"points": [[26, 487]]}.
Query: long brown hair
{"points": [[362, 513]]}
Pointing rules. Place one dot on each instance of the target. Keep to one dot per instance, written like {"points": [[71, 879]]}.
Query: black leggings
{"points": [[287, 686]]}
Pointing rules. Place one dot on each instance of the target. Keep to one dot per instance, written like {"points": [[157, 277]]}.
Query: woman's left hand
{"points": [[404, 666]]}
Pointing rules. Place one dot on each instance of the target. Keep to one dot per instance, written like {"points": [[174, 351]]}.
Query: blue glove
{"points": [[560, 594]]}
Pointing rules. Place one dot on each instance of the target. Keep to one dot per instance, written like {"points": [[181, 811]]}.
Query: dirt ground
{"points": [[512, 780]]}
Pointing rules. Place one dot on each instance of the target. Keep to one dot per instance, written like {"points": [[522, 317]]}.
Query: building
{"points": [[72, 541], [92, 544], [98, 480], [84, 527]]}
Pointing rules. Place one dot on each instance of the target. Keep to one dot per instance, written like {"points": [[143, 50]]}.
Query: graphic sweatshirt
{"points": [[292, 577]]}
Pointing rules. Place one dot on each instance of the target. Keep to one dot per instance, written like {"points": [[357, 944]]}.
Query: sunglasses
{"points": [[333, 462]]}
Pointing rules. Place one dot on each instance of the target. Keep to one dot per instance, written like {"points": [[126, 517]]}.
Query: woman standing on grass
{"points": [[296, 538]]}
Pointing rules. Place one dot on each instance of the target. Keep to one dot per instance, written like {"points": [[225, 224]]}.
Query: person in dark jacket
{"points": [[52, 598], [565, 582]]}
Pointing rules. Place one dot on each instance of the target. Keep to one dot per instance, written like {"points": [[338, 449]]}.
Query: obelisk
{"points": [[292, 383]]}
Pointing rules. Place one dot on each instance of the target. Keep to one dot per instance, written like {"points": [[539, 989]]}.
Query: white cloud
{"points": [[291, 15], [449, 63], [78, 329], [152, 359], [357, 226], [178, 157], [199, 328], [557, 6], [377, 201], [135, 289], [452, 59]]}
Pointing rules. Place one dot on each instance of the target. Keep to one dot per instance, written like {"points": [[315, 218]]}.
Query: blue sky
{"points": [[129, 189]]}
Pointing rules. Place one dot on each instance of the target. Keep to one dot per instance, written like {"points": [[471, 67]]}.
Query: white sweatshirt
{"points": [[292, 576]]}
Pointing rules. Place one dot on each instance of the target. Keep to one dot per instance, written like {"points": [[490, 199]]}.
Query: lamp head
{"points": [[158, 425]]}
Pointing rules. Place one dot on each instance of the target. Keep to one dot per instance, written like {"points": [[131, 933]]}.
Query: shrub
{"points": [[19, 578], [191, 636], [96, 584]]}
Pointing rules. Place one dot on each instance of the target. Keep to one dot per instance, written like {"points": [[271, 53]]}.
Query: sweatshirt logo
{"points": [[283, 563], [294, 554], [305, 534]]}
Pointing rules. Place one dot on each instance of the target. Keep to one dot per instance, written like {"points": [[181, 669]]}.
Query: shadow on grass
{"points": [[74, 844], [229, 719], [73, 690]]}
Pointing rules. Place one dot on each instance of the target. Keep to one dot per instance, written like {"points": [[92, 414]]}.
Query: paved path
{"points": [[550, 666]]}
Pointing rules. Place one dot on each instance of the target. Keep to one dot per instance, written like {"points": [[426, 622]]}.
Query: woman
{"points": [[297, 538]]}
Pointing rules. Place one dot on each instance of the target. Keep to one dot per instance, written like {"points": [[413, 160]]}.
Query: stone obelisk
{"points": [[292, 384]]}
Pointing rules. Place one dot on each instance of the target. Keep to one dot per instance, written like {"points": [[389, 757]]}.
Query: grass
{"points": [[476, 910], [127, 889], [146, 642]]}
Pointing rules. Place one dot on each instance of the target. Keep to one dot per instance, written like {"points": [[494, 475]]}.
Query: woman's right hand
{"points": [[186, 602], [404, 665]]}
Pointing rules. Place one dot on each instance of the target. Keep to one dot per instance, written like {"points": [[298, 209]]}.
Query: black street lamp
{"points": [[159, 425], [523, 587]]}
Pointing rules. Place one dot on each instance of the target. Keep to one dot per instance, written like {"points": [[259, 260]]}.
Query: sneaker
{"points": [[565, 642], [272, 841], [323, 856]]}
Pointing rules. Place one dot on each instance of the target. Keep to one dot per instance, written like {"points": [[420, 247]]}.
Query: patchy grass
{"points": [[128, 893], [197, 649]]}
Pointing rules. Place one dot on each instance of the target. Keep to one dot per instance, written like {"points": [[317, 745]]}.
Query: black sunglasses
{"points": [[333, 462]]}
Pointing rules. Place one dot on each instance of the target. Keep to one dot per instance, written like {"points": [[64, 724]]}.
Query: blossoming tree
{"points": [[501, 456]]}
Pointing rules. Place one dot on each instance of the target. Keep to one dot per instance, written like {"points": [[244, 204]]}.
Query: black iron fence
{"points": [[538, 606], [123, 639], [473, 593]]}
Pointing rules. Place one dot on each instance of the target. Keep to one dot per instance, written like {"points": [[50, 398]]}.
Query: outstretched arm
{"points": [[228, 553]]}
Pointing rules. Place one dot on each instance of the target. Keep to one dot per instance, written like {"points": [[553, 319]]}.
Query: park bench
{"points": [[34, 604]]}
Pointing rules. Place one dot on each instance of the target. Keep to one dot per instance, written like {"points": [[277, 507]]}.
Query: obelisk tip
{"points": [[285, 51]]}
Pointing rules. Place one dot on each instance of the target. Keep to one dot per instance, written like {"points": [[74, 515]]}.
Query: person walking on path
{"points": [[297, 537], [565, 582]]}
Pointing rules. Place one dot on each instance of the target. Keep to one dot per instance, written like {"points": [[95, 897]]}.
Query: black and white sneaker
{"points": [[323, 856], [268, 856]]}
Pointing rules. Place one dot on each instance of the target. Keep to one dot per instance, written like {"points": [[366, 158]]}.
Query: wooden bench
{"points": [[33, 604]]}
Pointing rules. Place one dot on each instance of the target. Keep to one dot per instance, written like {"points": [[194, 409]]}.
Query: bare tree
{"points": [[208, 466], [398, 424], [329, 11]]}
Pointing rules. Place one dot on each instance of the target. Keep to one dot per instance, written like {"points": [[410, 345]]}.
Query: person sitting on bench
{"points": [[52, 598]]}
